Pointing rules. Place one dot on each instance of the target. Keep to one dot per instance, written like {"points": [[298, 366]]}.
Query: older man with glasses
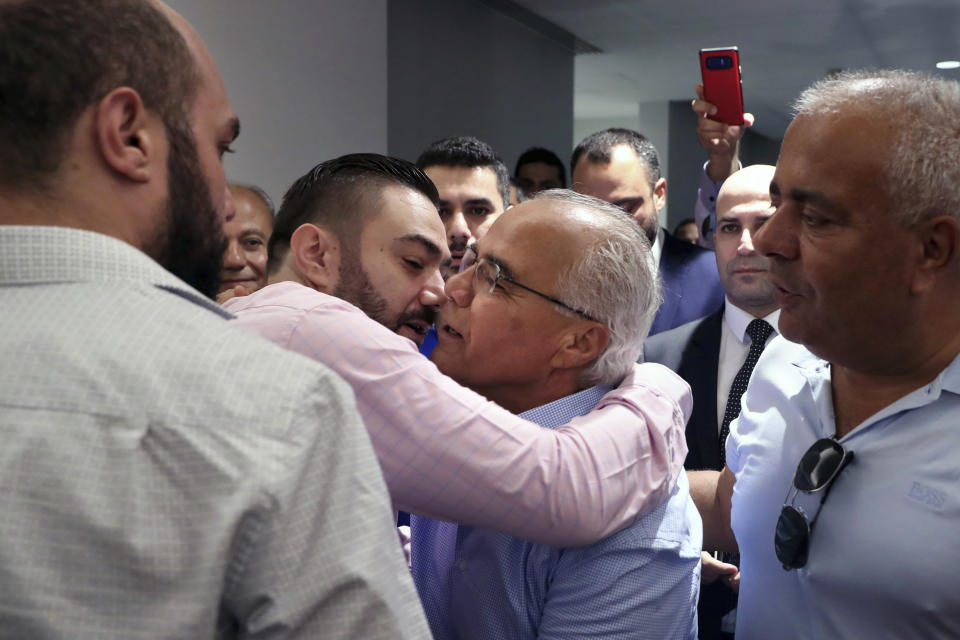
{"points": [[549, 313], [865, 250]]}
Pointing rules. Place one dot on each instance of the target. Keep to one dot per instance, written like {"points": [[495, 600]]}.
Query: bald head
{"points": [[743, 207], [748, 184]]}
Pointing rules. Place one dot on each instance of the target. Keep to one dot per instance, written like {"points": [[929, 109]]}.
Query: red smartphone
{"points": [[720, 70]]}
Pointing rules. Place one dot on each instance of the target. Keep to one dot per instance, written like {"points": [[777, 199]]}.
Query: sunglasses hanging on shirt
{"points": [[818, 469]]}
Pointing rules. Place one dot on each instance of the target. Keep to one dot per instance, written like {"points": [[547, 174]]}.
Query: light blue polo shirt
{"points": [[884, 558]]}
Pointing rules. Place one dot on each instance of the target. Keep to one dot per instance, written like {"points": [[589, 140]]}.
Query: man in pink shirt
{"points": [[354, 282]]}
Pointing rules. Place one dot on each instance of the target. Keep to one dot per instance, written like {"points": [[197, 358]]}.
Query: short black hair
{"points": [[334, 194], [58, 57], [539, 154], [467, 151], [597, 147]]}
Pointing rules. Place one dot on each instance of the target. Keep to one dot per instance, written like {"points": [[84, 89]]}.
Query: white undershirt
{"points": [[734, 347]]}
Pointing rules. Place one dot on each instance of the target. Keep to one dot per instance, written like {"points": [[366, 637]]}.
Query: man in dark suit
{"points": [[715, 354], [621, 166]]}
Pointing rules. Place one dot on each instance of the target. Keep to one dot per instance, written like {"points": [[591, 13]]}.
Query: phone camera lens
{"points": [[719, 62]]}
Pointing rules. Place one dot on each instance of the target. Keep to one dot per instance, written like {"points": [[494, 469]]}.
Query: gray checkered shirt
{"points": [[164, 474]]}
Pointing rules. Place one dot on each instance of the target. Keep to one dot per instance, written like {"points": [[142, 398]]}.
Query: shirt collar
{"points": [[738, 319], [816, 371], [47, 254], [561, 411]]}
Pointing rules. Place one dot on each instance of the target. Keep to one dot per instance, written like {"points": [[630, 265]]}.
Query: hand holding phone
{"points": [[720, 70]]}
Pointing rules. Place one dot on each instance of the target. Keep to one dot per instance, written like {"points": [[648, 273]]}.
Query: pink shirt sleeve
{"points": [[448, 453]]}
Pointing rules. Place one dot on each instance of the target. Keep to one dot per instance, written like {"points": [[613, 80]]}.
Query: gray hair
{"points": [[923, 169], [258, 193], [615, 281]]}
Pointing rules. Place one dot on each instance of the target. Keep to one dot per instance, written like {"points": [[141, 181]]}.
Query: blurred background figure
{"points": [[539, 169], [686, 231], [516, 195], [245, 259]]}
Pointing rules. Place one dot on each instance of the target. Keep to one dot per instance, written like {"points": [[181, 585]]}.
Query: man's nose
{"points": [[777, 237], [457, 229], [232, 257], [459, 287], [432, 294]]}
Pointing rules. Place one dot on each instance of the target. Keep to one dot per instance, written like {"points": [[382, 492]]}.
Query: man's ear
{"points": [[660, 194], [581, 345], [128, 136], [316, 256], [939, 243]]}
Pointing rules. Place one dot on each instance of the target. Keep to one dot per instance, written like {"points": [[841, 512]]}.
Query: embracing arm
{"points": [[448, 453]]}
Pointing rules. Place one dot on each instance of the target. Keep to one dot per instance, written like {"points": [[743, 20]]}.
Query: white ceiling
{"points": [[649, 47]]}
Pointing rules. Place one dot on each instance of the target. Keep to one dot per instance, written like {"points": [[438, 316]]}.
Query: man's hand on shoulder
{"points": [[236, 292]]}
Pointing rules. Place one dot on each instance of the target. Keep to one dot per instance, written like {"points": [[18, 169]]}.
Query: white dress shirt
{"points": [[734, 347]]}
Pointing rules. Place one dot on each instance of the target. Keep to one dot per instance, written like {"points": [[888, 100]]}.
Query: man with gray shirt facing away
{"points": [[163, 474]]}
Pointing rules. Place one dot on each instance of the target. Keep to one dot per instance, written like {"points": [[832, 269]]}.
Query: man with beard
{"points": [[711, 353], [145, 492], [365, 229], [621, 166]]}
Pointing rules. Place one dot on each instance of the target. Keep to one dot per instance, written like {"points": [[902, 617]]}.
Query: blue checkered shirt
{"points": [[642, 582]]}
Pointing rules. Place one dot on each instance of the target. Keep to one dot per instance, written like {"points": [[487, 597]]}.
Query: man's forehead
{"points": [[536, 236], [481, 181], [624, 177], [408, 214]]}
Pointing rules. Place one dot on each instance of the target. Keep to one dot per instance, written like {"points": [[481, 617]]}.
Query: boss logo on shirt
{"points": [[927, 496]]}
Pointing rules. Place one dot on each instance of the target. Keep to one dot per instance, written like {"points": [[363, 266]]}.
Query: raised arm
{"points": [[448, 453], [722, 144], [720, 140]]}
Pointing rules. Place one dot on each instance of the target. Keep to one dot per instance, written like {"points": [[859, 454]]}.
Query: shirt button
{"points": [[462, 565]]}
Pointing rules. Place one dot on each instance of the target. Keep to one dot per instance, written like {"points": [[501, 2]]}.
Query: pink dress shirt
{"points": [[449, 453]]}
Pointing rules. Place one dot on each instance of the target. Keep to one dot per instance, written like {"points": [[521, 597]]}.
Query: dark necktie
{"points": [[759, 331]]}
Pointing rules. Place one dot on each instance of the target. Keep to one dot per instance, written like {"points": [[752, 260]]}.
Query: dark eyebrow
{"points": [[815, 198], [480, 201], [623, 202], [432, 248], [820, 201], [504, 267]]}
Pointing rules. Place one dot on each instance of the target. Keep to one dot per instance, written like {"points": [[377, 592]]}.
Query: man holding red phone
{"points": [[722, 143]]}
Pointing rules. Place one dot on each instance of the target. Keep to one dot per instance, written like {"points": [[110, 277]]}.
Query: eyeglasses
{"points": [[818, 468], [487, 274]]}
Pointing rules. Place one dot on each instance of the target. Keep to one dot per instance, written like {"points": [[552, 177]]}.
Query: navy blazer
{"points": [[691, 285], [692, 351]]}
